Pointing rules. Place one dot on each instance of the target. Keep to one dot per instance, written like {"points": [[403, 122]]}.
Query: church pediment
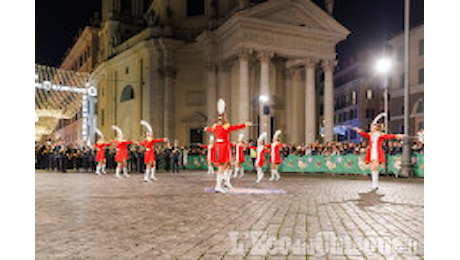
{"points": [[296, 13]]}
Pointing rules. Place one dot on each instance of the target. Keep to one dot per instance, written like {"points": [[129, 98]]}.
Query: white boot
{"points": [[241, 172], [235, 173], [375, 179], [125, 172], [260, 174], [117, 172], [218, 188], [146, 175], [103, 169], [152, 175], [210, 170], [272, 177], [98, 169], [277, 175], [227, 175]]}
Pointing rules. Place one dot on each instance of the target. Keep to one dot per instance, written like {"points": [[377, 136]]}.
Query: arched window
{"points": [[420, 106], [127, 93]]}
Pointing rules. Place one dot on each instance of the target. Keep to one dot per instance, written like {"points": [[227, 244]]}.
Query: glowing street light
{"points": [[382, 67], [263, 98]]}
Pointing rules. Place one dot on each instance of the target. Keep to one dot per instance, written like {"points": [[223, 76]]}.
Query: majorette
{"points": [[210, 154], [122, 152], [275, 158], [239, 156], [100, 155], [223, 146], [149, 154], [260, 156]]}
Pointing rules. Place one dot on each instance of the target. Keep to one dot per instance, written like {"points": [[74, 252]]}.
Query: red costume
{"points": [[100, 151], [211, 152], [122, 150], [149, 154], [223, 147], [275, 152], [381, 155], [239, 152], [260, 158]]}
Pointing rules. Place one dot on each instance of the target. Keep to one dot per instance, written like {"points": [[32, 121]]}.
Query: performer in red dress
{"points": [[223, 146], [239, 156], [210, 154], [149, 154], [122, 152], [260, 157], [100, 155], [375, 155], [275, 158]]}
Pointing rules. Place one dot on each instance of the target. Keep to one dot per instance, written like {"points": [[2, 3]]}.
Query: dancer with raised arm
{"points": [[275, 158], [100, 155], [375, 155], [260, 157], [149, 154], [122, 152], [223, 146], [239, 156]]}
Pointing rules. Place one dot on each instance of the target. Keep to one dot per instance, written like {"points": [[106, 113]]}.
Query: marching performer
{"points": [[260, 157], [239, 156], [149, 154], [375, 155], [210, 154], [122, 152], [100, 155], [223, 148], [275, 159]]}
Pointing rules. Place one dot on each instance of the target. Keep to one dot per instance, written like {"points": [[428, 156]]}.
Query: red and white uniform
{"points": [[260, 154], [375, 150], [211, 152], [149, 154], [223, 147], [239, 152], [122, 150], [275, 152], [100, 155]]}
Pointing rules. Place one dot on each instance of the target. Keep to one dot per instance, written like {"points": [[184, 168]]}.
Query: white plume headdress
{"points": [[118, 130], [147, 125], [99, 133], [277, 134], [262, 137], [240, 137], [377, 118], [220, 106]]}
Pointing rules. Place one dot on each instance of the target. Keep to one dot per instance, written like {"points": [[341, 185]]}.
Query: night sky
{"points": [[370, 21]]}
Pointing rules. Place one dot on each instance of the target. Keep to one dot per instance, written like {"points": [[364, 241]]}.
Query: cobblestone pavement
{"points": [[81, 215]]}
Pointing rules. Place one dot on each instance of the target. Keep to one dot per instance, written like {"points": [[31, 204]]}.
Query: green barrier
{"points": [[340, 164]]}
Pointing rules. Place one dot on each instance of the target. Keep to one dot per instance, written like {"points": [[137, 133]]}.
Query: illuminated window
{"points": [[369, 94], [354, 96]]}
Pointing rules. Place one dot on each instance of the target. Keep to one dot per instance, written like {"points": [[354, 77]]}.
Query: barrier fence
{"points": [[337, 164]]}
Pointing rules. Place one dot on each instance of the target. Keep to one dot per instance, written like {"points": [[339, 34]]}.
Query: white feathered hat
{"points": [[262, 137], [220, 107], [147, 125], [118, 130], [98, 132], [377, 118], [277, 134], [240, 137]]}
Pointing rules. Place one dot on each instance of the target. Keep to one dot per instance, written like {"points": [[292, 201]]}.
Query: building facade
{"points": [[82, 57], [168, 62], [416, 81]]}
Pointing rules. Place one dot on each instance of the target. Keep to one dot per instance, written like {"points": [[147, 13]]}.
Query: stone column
{"points": [[169, 75], [243, 102], [328, 67], [211, 93], [224, 87], [293, 115], [264, 58], [310, 115]]}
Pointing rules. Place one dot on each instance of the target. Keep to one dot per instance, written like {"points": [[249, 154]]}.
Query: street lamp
{"points": [[383, 66]]}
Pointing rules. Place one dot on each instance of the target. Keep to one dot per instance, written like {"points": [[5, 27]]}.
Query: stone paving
{"points": [[81, 215]]}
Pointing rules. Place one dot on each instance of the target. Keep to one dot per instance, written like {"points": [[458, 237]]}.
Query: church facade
{"points": [[168, 62]]}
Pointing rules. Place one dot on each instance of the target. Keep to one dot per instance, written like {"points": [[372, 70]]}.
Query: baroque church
{"points": [[169, 61]]}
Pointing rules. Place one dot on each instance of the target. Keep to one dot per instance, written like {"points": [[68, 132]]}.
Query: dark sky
{"points": [[370, 21]]}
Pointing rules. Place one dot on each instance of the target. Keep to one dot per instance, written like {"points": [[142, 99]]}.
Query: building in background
{"points": [[81, 57], [416, 81]]}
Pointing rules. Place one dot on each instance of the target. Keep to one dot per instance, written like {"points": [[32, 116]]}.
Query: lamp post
{"points": [[383, 66]]}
